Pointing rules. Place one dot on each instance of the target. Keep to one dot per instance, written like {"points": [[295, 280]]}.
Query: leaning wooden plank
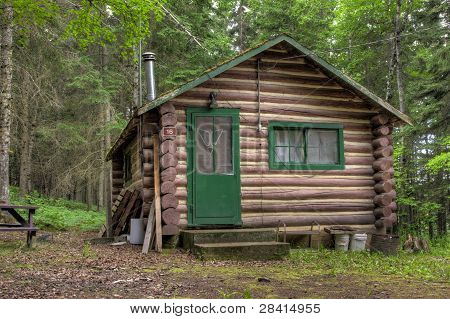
{"points": [[128, 210], [120, 209], [149, 231], [116, 210], [158, 231]]}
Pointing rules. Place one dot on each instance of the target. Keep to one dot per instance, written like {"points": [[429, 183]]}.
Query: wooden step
{"points": [[190, 237], [264, 250]]}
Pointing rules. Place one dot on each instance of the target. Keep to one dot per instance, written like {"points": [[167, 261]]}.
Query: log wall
{"points": [[147, 128], [385, 205], [291, 89]]}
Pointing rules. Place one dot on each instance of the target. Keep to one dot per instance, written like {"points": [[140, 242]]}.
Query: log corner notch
{"points": [[168, 162], [147, 128], [385, 205], [117, 177]]}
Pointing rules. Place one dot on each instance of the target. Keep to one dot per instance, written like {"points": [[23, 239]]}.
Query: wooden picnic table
{"points": [[22, 224]]}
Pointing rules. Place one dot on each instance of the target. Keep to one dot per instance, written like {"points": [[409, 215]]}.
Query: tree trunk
{"points": [[5, 97], [400, 84]]}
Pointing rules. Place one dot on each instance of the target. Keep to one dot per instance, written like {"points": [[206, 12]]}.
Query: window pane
{"points": [[296, 137], [328, 147], [223, 147], [281, 137], [322, 146], [204, 144], [296, 154], [282, 154]]}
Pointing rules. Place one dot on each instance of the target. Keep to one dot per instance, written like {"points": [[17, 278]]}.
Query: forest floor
{"points": [[66, 267]]}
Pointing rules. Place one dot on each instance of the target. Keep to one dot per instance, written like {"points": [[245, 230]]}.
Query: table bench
{"points": [[23, 225]]}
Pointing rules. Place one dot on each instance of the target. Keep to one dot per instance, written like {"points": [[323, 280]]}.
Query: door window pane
{"points": [[204, 144], [223, 145]]}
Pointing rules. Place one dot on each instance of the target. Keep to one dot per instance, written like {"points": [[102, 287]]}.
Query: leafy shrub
{"points": [[59, 213]]}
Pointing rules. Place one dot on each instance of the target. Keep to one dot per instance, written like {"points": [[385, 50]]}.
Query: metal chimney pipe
{"points": [[149, 65]]}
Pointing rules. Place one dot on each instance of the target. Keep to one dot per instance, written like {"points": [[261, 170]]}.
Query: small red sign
{"points": [[169, 131]]}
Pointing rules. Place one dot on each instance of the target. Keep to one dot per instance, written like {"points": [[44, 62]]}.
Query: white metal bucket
{"points": [[341, 242], [137, 231], [358, 242]]}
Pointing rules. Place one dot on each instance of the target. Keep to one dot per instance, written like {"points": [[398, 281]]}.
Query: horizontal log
{"points": [[147, 195], [117, 181], [383, 199], [169, 174], [383, 186], [295, 181], [168, 119], [170, 230], [148, 129], [170, 216], [382, 164], [380, 142], [381, 176], [306, 207], [117, 165], [166, 108], [307, 194], [382, 130], [379, 223], [273, 221], [392, 193], [147, 155], [181, 168], [168, 146], [168, 187], [286, 181], [380, 119], [383, 151], [274, 77], [393, 206], [147, 169], [147, 142], [147, 182], [169, 201], [117, 174], [168, 160], [380, 212], [226, 96], [274, 88]]}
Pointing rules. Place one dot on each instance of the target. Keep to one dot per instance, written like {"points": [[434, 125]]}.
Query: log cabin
{"points": [[273, 135]]}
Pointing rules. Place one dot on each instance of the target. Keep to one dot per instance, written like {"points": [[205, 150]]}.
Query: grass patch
{"points": [[59, 213], [429, 266]]}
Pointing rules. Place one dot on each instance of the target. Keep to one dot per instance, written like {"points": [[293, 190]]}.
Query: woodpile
{"points": [[168, 163], [416, 244], [383, 167]]}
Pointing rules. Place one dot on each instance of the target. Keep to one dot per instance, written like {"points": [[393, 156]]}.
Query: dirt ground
{"points": [[65, 267]]}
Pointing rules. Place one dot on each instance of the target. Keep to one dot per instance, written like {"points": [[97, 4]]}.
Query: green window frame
{"points": [[300, 160]]}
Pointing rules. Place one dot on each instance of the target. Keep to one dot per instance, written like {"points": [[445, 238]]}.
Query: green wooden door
{"points": [[214, 195]]}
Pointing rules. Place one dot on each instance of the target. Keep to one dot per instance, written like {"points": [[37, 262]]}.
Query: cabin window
{"points": [[306, 146], [127, 167]]}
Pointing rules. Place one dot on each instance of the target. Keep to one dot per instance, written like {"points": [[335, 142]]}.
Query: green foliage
{"points": [[60, 214], [441, 162], [117, 22], [429, 266]]}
